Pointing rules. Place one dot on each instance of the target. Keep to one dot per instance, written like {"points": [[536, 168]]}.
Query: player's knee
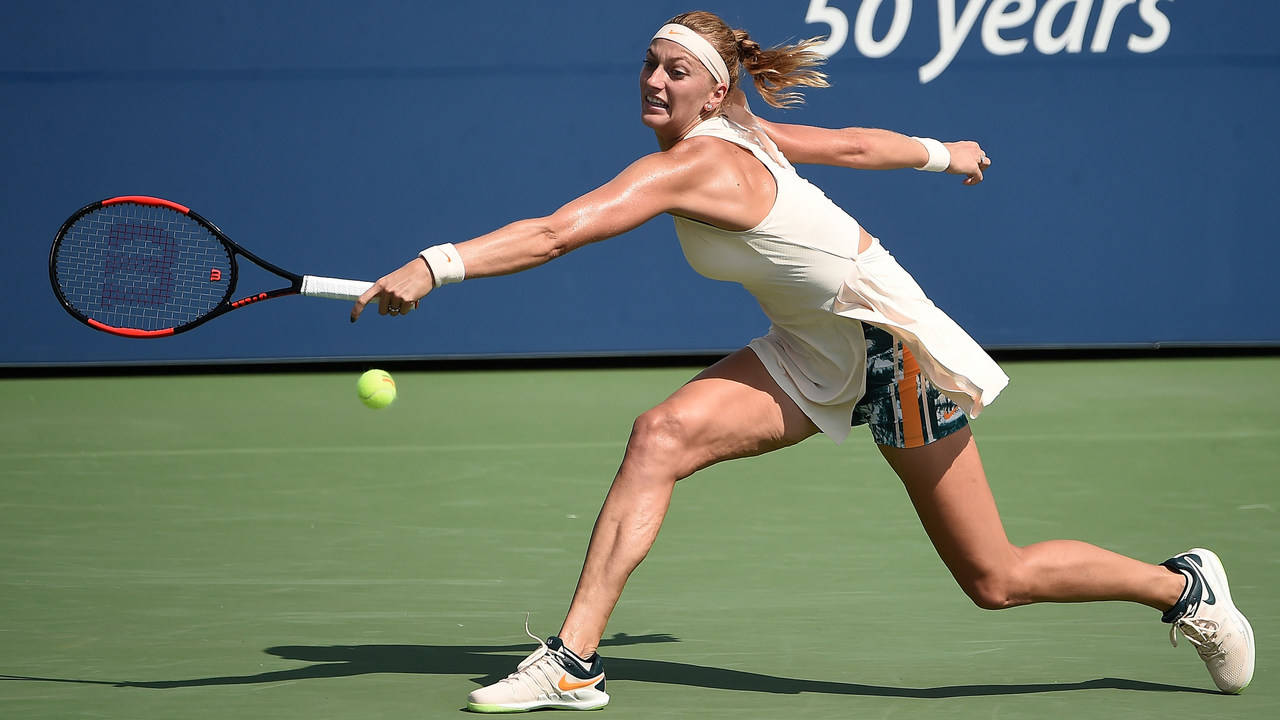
{"points": [[659, 430], [996, 589], [660, 436], [997, 580], [988, 595]]}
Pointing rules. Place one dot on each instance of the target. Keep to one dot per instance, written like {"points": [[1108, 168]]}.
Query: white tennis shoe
{"points": [[552, 677], [1208, 619]]}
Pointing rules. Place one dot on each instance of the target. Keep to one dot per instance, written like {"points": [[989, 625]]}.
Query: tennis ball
{"points": [[376, 388]]}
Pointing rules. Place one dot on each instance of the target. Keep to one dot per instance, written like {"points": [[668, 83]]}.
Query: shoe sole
{"points": [[1218, 576], [479, 708]]}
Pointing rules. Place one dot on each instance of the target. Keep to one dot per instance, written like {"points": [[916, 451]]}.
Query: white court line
{"points": [[620, 444], [1241, 434], [323, 450]]}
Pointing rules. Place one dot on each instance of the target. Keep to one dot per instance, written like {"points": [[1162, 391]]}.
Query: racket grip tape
{"points": [[334, 288]]}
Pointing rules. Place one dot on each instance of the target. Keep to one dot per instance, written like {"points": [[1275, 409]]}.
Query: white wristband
{"points": [[445, 263], [939, 156]]}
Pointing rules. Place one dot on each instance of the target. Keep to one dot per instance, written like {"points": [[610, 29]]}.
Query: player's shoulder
{"points": [[691, 158], [701, 146], [706, 154]]}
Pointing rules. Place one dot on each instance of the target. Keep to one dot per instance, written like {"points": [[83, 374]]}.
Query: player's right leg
{"points": [[551, 678], [732, 409]]}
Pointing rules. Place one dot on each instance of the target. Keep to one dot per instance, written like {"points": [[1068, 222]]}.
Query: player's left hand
{"points": [[399, 292], [968, 159]]}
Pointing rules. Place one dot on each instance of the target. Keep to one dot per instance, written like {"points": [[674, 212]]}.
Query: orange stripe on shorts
{"points": [[909, 401]]}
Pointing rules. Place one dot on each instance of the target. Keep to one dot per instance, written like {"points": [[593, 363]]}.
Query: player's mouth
{"points": [[654, 102]]}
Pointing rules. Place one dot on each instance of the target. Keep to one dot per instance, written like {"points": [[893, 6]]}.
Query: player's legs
{"points": [[731, 410], [946, 483]]}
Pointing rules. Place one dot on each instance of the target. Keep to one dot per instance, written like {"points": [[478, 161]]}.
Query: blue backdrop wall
{"points": [[1131, 200]]}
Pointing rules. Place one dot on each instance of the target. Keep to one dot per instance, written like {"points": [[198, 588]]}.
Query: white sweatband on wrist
{"points": [[939, 155], [445, 263]]}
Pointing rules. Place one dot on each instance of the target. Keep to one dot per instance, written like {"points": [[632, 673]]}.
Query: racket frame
{"points": [[225, 305]]}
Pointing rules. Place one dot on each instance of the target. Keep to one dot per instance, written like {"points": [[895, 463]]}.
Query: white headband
{"points": [[698, 45]]}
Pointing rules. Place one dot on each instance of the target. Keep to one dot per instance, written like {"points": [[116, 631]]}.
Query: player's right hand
{"points": [[399, 292]]}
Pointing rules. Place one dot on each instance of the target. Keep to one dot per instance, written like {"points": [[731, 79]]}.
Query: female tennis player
{"points": [[853, 341]]}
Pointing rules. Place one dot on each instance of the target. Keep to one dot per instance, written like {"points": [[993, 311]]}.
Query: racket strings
{"points": [[141, 267], [141, 260]]}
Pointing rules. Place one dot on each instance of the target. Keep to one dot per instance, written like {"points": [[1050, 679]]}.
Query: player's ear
{"points": [[718, 95]]}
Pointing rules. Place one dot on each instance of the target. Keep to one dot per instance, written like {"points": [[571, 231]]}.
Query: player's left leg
{"points": [[948, 487]]}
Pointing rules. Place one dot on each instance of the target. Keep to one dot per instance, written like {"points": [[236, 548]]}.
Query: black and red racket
{"points": [[144, 267]]}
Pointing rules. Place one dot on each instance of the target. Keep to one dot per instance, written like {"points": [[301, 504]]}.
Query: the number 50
{"points": [[868, 46]]}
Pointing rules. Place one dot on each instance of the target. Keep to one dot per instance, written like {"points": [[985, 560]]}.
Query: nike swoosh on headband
{"points": [[701, 48]]}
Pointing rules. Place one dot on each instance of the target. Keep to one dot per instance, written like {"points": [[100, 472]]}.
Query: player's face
{"points": [[674, 90]]}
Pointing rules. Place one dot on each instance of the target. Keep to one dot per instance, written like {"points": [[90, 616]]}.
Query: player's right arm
{"points": [[647, 188], [687, 181]]}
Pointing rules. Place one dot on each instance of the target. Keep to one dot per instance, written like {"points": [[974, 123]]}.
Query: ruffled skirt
{"points": [[877, 291]]}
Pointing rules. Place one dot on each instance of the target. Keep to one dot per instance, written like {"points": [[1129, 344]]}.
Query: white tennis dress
{"points": [[802, 265]]}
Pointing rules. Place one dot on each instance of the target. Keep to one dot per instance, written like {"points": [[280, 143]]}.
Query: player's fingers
{"points": [[395, 303], [364, 300]]}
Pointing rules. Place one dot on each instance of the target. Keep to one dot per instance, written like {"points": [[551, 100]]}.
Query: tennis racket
{"points": [[142, 267]]}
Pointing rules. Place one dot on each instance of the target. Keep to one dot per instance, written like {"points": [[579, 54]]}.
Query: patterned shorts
{"points": [[902, 408]]}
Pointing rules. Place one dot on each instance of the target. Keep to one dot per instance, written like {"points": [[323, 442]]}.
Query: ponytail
{"points": [[776, 69]]}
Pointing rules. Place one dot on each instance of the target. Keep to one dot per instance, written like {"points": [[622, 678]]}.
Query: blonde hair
{"points": [[773, 70]]}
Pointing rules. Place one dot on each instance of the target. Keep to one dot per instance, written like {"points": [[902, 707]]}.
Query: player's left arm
{"points": [[870, 149]]}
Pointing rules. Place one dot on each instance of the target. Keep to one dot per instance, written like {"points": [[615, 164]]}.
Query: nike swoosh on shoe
{"points": [[1210, 600], [567, 686]]}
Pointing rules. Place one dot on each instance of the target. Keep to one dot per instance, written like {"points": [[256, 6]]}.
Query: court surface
{"points": [[262, 546]]}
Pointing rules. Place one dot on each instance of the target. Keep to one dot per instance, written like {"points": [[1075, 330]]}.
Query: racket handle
{"points": [[334, 288]]}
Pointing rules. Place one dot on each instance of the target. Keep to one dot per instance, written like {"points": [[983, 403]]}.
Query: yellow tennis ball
{"points": [[376, 388]]}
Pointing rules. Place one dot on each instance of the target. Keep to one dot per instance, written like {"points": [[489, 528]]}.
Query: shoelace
{"points": [[1201, 633], [547, 685], [536, 655]]}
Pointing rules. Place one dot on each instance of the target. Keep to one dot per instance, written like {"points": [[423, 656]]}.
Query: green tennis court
{"points": [[262, 546]]}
